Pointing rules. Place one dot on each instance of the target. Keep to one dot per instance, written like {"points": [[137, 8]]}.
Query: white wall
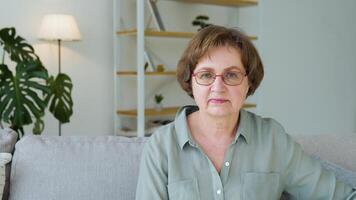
{"points": [[308, 49], [88, 62]]}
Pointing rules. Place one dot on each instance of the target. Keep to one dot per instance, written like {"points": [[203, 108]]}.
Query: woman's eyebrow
{"points": [[206, 69], [234, 67]]}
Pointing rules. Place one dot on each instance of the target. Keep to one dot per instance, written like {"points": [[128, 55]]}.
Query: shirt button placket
{"points": [[219, 194]]}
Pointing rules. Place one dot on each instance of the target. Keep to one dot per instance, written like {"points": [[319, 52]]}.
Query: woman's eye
{"points": [[231, 75], [205, 75]]}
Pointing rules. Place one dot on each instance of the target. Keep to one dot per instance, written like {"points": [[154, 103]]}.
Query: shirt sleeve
{"points": [[152, 180], [306, 179]]}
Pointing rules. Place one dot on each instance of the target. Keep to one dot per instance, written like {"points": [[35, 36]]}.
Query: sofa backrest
{"points": [[106, 167], [335, 152], [75, 168], [339, 149]]}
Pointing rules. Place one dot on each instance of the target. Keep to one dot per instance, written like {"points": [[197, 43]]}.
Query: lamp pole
{"points": [[59, 71], [59, 56]]}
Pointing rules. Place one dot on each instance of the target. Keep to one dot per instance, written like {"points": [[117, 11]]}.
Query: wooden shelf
{"points": [[249, 105], [154, 33], [134, 73], [224, 2], [164, 111], [150, 112]]}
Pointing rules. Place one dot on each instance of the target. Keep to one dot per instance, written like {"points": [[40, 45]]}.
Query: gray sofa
{"points": [[106, 167]]}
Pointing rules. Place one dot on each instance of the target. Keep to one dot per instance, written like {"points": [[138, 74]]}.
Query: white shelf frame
{"points": [[140, 70], [140, 14]]}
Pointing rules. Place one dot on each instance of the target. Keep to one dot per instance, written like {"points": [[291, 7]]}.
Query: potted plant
{"points": [[201, 21], [158, 100], [27, 90]]}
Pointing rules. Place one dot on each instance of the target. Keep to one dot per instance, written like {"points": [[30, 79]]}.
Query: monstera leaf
{"points": [[16, 46], [60, 100], [20, 93], [26, 92]]}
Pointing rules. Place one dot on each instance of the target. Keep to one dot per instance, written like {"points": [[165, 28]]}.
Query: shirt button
{"points": [[218, 192], [227, 164]]}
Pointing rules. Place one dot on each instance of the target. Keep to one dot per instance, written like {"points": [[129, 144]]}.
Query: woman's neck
{"points": [[215, 128]]}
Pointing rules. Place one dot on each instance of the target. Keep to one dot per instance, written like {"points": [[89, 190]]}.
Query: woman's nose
{"points": [[218, 84]]}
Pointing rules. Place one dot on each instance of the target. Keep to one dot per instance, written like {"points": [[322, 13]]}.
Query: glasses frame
{"points": [[221, 75]]}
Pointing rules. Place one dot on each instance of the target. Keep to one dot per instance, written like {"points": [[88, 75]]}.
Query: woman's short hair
{"points": [[217, 36]]}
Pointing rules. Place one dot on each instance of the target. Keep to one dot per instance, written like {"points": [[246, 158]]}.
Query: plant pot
{"points": [[158, 107]]}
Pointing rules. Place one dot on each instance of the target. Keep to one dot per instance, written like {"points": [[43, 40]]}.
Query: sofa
{"points": [[106, 167]]}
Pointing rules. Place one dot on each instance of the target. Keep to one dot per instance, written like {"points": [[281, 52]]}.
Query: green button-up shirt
{"points": [[261, 162]]}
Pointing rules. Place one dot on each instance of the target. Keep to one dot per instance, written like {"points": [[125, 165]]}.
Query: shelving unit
{"points": [[140, 32]]}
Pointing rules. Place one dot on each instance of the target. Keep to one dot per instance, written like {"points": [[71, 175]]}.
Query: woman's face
{"points": [[220, 99]]}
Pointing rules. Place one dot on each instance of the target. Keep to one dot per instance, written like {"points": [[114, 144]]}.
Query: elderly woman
{"points": [[216, 149]]}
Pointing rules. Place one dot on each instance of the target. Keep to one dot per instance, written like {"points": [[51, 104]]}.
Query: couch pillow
{"points": [[8, 139], [4, 159]]}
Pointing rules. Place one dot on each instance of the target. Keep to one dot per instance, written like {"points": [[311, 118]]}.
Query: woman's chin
{"points": [[219, 111]]}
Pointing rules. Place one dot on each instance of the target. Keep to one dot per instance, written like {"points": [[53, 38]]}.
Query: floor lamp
{"points": [[59, 27]]}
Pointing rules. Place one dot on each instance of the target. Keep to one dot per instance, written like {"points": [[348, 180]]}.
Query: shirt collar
{"points": [[181, 125], [244, 128], [183, 133]]}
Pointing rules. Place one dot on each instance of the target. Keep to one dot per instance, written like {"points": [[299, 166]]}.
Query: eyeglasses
{"points": [[231, 78]]}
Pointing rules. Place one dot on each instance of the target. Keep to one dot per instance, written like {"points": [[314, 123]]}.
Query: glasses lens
{"points": [[233, 77], [205, 77]]}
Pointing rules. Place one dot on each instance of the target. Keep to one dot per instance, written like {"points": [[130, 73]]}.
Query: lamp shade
{"points": [[59, 27]]}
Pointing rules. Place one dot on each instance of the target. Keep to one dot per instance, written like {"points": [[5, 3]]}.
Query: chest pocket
{"points": [[262, 186], [184, 190]]}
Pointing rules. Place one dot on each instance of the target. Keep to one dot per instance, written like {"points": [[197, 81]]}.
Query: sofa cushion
{"points": [[104, 167]]}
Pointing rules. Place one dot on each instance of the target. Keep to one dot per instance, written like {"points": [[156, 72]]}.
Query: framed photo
{"points": [[155, 15]]}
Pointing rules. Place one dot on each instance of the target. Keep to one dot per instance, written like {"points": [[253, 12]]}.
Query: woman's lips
{"points": [[217, 101]]}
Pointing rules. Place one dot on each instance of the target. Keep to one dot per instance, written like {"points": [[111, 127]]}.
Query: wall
{"points": [[87, 62], [308, 49]]}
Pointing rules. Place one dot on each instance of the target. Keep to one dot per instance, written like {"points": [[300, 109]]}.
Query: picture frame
{"points": [[155, 15]]}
